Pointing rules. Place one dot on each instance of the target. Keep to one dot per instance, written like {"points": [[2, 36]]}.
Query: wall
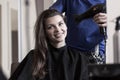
{"points": [[0, 33], [26, 21], [6, 34], [9, 29], [113, 10]]}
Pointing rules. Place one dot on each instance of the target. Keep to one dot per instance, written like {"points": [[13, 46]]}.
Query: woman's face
{"points": [[56, 29]]}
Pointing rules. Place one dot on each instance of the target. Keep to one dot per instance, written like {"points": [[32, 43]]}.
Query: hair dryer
{"points": [[91, 12]]}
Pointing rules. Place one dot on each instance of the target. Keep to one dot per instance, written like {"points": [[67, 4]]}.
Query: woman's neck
{"points": [[58, 45]]}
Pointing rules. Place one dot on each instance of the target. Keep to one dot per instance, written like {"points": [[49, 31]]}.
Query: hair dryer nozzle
{"points": [[91, 12]]}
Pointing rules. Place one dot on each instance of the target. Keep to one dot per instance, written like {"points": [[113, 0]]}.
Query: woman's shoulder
{"points": [[30, 53], [28, 57], [23, 65]]}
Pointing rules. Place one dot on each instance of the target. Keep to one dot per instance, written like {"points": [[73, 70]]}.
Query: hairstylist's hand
{"points": [[101, 19]]}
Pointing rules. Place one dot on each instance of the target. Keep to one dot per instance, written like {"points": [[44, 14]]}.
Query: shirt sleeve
{"points": [[59, 5], [102, 50]]}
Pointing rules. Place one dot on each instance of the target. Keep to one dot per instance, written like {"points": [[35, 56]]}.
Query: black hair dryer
{"points": [[91, 12]]}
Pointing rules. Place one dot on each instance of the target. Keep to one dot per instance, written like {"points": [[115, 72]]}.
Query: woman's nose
{"points": [[57, 28]]}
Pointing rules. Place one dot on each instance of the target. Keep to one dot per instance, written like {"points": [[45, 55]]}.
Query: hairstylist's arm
{"points": [[59, 5]]}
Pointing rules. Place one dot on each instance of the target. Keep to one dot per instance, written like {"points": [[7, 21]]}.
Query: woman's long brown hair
{"points": [[41, 43]]}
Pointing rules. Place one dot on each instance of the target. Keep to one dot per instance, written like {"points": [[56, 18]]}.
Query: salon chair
{"points": [[104, 71]]}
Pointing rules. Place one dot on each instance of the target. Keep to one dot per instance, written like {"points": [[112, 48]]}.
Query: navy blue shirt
{"points": [[84, 35]]}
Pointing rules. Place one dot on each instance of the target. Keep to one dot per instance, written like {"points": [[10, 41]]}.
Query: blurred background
{"points": [[17, 19]]}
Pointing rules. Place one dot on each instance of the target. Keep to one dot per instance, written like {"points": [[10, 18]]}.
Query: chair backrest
{"points": [[104, 71], [14, 66], [2, 76]]}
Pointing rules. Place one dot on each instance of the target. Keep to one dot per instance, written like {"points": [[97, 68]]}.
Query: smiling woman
{"points": [[52, 59], [56, 30]]}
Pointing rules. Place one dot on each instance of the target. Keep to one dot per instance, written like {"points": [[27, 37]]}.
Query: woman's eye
{"points": [[49, 27], [61, 23]]}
